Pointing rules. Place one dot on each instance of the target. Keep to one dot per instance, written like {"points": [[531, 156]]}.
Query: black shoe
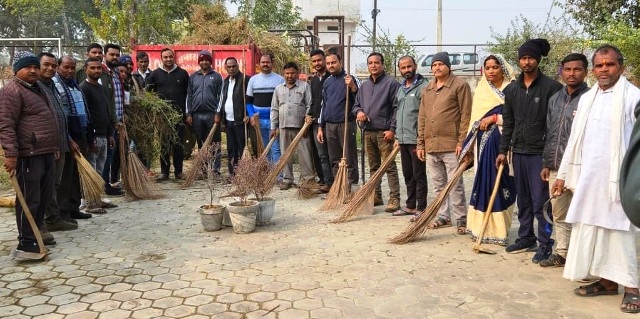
{"points": [[71, 220], [113, 191], [28, 247], [544, 251], [80, 215], [522, 245], [179, 176], [62, 225], [47, 237], [554, 261], [162, 177]]}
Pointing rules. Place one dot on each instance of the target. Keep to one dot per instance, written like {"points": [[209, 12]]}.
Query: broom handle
{"points": [[485, 218], [244, 96], [346, 104], [27, 212], [268, 147]]}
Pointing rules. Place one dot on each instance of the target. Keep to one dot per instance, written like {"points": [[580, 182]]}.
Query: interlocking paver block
{"points": [[175, 284], [205, 283], [230, 297], [126, 295], [165, 278], [293, 314], [326, 313], [33, 301], [167, 302], [246, 288], [87, 289], [72, 308], [38, 310], [261, 314], [307, 304], [95, 297], [212, 309], [107, 280], [105, 305], [276, 286], [261, 296], [276, 304], [148, 313], [136, 279], [11, 310], [136, 304], [180, 311], [244, 306], [83, 315], [117, 287], [64, 299], [187, 292], [198, 300]]}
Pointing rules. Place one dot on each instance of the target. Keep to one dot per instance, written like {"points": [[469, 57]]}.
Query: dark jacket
{"points": [[562, 110], [107, 85], [237, 97], [377, 99], [316, 94], [408, 109], [138, 80], [170, 86], [333, 100], [524, 114], [203, 94], [27, 121]]}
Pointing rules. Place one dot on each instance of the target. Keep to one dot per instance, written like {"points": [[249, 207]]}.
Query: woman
{"points": [[487, 113]]}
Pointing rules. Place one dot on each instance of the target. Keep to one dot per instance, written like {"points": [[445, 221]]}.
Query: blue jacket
{"points": [[333, 100], [203, 94]]}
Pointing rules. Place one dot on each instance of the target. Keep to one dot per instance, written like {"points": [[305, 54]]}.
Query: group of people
{"points": [[554, 144]]}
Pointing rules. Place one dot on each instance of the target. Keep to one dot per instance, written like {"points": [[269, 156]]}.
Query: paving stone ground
{"points": [[151, 259]]}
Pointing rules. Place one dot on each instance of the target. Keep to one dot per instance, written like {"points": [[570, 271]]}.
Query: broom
{"points": [[91, 182], [420, 226], [246, 153], [477, 247], [359, 200], [266, 149], [197, 165], [341, 187], [136, 183], [272, 178], [259, 144], [32, 223]]}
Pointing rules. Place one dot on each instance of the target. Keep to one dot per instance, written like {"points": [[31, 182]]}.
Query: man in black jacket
{"points": [[231, 112], [320, 151], [171, 83], [524, 116]]}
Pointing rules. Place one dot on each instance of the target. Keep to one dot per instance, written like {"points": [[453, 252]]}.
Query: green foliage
{"points": [[594, 15], [562, 38], [270, 14], [391, 48], [627, 39]]}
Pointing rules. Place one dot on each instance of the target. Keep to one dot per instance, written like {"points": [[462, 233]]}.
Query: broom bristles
{"points": [[340, 189], [421, 225], [272, 178], [246, 153], [138, 185], [91, 182], [122, 141], [196, 167], [359, 200]]}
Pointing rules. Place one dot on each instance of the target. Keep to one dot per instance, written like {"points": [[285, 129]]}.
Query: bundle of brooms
{"points": [[420, 226], [91, 182], [288, 154], [359, 200], [198, 163], [137, 184]]}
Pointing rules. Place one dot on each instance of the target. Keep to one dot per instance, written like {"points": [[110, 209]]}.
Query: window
{"points": [[454, 58], [470, 58], [332, 28]]}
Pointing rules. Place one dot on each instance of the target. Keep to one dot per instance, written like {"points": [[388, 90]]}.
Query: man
{"points": [[603, 241], [331, 121], [562, 110], [111, 171], [101, 120], [125, 67], [81, 132], [320, 151], [93, 50], [29, 138], [171, 83], [232, 111], [375, 109], [140, 75], [414, 170], [203, 98], [445, 109], [259, 94], [524, 116], [290, 104]]}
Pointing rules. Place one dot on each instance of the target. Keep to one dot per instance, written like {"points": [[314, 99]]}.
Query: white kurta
{"points": [[602, 242]]}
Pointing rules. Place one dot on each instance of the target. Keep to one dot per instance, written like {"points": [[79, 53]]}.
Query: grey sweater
{"points": [[377, 99]]}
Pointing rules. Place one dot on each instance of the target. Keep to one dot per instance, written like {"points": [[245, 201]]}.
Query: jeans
{"points": [[323, 154], [202, 125], [98, 159]]}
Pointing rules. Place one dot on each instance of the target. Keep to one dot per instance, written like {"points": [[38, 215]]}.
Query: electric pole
{"points": [[439, 27], [374, 15]]}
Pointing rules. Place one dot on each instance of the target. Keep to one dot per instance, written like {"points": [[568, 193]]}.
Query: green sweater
{"points": [[408, 107]]}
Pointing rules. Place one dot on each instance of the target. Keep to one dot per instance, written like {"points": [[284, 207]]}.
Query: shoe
{"points": [[29, 247], [325, 189], [47, 237], [392, 206], [104, 204], [162, 177], [544, 251], [377, 201], [117, 185], [71, 220], [522, 245], [61, 225], [179, 176], [284, 186], [113, 191], [80, 215], [554, 261]]}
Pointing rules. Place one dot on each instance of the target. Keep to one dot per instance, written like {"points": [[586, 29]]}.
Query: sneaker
{"points": [[554, 261], [117, 184], [28, 247], [544, 251], [522, 245], [377, 201], [47, 237], [392, 206], [61, 225], [113, 191], [162, 177]]}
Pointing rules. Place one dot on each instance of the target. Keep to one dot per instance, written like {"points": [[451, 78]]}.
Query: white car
{"points": [[463, 63]]}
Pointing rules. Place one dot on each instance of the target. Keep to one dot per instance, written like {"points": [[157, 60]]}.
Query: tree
{"points": [[270, 14], [391, 48], [562, 38], [627, 39], [593, 15]]}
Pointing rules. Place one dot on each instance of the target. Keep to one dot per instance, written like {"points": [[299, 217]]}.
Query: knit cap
{"points": [[24, 59], [535, 48], [442, 57], [204, 55]]}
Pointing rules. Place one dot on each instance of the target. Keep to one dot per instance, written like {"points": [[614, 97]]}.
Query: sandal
{"points": [[630, 299], [415, 217], [98, 211], [595, 289], [440, 222], [403, 212], [462, 227], [108, 205]]}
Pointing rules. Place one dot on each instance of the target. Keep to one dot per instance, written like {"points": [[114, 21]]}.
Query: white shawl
{"points": [[571, 163]]}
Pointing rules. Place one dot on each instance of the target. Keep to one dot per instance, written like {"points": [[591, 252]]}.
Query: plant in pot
{"points": [[261, 189], [243, 212], [210, 214]]}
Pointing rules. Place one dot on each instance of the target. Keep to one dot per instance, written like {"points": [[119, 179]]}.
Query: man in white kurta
{"points": [[602, 245]]}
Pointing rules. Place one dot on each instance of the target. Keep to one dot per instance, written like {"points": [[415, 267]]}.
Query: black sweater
{"points": [[171, 86], [98, 106]]}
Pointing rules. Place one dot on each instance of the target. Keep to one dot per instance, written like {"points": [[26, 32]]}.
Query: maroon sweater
{"points": [[27, 122]]}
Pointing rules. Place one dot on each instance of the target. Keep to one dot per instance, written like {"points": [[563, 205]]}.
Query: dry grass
{"points": [[200, 159]]}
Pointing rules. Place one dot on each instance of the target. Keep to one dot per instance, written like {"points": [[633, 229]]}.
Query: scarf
{"points": [[486, 96], [617, 148]]}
